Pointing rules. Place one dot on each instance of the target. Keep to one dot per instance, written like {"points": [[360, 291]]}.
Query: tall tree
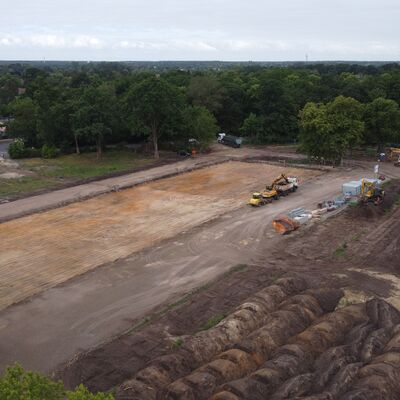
{"points": [[382, 122], [328, 131], [199, 124], [206, 91], [24, 111], [94, 116], [253, 127], [155, 109]]}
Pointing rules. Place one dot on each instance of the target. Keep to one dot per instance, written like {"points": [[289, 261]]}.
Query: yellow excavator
{"points": [[394, 154], [281, 186], [371, 193]]}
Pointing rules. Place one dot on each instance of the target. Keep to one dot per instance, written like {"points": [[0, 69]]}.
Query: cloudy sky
{"points": [[258, 30]]}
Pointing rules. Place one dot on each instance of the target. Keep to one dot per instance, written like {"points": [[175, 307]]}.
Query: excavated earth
{"points": [[316, 319]]}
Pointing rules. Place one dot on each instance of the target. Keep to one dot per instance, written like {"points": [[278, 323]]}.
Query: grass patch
{"points": [[10, 188], [69, 169], [344, 302], [84, 166], [216, 319], [176, 344], [340, 252], [356, 237], [387, 184]]}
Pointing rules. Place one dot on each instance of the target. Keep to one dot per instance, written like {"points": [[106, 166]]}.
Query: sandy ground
{"points": [[85, 311], [43, 250]]}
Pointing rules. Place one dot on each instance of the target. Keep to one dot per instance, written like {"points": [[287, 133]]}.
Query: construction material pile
{"points": [[285, 342]]}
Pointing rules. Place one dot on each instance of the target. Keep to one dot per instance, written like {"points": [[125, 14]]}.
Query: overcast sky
{"points": [[258, 30]]}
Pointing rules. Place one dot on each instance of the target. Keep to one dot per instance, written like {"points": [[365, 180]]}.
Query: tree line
{"points": [[329, 108]]}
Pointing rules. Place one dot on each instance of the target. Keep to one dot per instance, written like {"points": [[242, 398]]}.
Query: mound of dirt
{"points": [[369, 210], [302, 348]]}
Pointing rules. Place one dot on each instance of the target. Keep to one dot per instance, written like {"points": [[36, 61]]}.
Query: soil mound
{"points": [[285, 342]]}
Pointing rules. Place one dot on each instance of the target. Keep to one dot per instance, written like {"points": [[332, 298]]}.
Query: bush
{"points": [[17, 149], [31, 152], [17, 384], [49, 151]]}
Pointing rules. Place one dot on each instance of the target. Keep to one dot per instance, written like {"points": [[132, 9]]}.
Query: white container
{"points": [[353, 188]]}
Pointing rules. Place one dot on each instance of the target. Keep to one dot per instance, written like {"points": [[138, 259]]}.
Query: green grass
{"points": [[10, 188], [340, 252], [344, 302], [216, 319], [357, 237], [176, 344], [67, 169], [86, 165]]}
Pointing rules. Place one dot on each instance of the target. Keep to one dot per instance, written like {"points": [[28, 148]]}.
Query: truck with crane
{"points": [[281, 186]]}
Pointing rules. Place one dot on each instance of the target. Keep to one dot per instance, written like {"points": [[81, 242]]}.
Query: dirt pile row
{"points": [[286, 342], [205, 345]]}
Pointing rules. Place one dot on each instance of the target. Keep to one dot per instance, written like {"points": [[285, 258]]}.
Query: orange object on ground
{"points": [[284, 225]]}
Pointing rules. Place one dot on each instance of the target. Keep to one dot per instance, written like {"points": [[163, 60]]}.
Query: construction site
{"points": [[252, 277]]}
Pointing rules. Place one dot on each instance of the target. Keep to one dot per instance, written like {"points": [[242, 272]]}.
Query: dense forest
{"points": [[328, 108]]}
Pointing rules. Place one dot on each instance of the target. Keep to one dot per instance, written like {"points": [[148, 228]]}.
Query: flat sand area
{"points": [[42, 250]]}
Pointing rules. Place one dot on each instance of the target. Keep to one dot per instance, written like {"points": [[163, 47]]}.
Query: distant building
{"points": [[21, 90]]}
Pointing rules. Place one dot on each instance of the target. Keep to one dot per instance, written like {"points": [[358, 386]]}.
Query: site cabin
{"points": [[229, 140]]}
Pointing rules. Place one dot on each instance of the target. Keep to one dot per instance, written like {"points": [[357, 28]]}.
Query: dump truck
{"points": [[230, 140], [264, 197], [281, 186], [284, 185]]}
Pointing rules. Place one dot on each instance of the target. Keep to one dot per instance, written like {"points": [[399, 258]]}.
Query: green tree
{"points": [[82, 393], [253, 127], [94, 115], [206, 91], [382, 122], [24, 111], [9, 85], [17, 384], [155, 109], [328, 131], [199, 124]]}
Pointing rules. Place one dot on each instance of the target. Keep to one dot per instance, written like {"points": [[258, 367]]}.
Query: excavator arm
{"points": [[281, 179]]}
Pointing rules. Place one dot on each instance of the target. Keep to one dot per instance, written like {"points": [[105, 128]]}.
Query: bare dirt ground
{"points": [[63, 321], [90, 309], [354, 254], [43, 250]]}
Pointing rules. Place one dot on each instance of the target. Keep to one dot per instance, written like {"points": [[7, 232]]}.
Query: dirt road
{"points": [[87, 310]]}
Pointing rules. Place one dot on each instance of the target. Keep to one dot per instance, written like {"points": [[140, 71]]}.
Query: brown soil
{"points": [[43, 250], [284, 342]]}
